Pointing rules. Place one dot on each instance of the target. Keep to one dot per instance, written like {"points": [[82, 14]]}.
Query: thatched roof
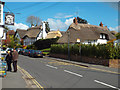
{"points": [[54, 34], [84, 32], [36, 27], [32, 33], [62, 32], [113, 32], [21, 32]]}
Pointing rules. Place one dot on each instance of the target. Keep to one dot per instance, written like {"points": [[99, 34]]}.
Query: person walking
{"points": [[8, 59], [15, 58]]}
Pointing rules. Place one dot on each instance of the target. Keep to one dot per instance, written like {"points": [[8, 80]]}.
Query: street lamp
{"points": [[79, 42], [68, 45]]}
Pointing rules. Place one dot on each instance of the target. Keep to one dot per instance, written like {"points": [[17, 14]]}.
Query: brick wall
{"points": [[105, 62], [115, 63]]}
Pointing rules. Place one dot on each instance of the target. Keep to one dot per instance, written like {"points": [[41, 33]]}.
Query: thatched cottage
{"points": [[32, 34], [54, 34], [20, 34], [87, 34]]}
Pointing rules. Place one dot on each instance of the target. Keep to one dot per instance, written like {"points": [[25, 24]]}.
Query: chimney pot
{"points": [[101, 24], [76, 21]]}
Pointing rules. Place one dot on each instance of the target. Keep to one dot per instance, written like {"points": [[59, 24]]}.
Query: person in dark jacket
{"points": [[9, 61]]}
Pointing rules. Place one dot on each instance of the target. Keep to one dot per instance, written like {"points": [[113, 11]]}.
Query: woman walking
{"points": [[9, 61]]}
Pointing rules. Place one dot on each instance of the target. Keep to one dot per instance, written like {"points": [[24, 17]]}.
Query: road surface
{"points": [[54, 74]]}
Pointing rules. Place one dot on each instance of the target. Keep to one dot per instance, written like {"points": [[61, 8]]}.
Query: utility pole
{"points": [[68, 45]]}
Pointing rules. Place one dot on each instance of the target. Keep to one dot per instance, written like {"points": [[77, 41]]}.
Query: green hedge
{"points": [[96, 51], [45, 43]]}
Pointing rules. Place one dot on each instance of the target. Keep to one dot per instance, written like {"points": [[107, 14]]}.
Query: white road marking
{"points": [[106, 84], [73, 73], [51, 66]]}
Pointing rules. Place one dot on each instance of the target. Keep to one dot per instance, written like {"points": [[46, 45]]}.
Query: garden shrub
{"points": [[45, 43], [108, 51]]}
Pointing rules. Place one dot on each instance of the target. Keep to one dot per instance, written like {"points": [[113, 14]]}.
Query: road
{"points": [[54, 74]]}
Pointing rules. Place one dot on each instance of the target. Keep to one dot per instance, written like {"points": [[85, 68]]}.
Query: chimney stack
{"points": [[101, 24], [105, 26], [75, 21], [44, 31]]}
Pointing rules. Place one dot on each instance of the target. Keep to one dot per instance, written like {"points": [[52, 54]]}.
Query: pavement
{"points": [[13, 80], [20, 79]]}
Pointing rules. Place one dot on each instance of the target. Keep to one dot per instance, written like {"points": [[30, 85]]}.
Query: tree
{"points": [[38, 21], [13, 42], [118, 35], [80, 20], [33, 21], [47, 27]]}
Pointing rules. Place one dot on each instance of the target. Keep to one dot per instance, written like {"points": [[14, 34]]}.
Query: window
{"points": [[103, 36], [89, 42]]}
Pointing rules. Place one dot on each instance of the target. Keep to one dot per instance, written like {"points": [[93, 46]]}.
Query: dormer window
{"points": [[103, 36]]}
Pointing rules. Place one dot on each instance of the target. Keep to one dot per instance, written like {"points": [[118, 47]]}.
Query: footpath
{"points": [[18, 80]]}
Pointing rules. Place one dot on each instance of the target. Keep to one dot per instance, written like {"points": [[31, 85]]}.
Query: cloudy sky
{"points": [[60, 14]]}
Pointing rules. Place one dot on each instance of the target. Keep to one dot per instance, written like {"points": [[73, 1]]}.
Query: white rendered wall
{"points": [[44, 32], [99, 41], [1, 20], [102, 41], [29, 41]]}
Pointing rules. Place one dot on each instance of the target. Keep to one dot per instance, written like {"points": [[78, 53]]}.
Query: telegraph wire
{"points": [[8, 9], [40, 10], [26, 7]]}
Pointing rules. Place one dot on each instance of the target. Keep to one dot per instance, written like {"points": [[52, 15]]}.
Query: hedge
{"points": [[96, 51], [45, 43]]}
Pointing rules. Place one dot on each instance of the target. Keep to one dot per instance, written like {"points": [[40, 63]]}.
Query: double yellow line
{"points": [[34, 81]]}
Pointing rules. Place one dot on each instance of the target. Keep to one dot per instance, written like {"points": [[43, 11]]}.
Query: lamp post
{"points": [[79, 42], [68, 45]]}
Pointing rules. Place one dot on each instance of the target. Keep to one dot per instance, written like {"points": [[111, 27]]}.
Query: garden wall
{"points": [[115, 63]]}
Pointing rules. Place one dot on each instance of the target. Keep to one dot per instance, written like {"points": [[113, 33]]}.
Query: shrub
{"points": [[31, 47], [44, 43], [96, 51]]}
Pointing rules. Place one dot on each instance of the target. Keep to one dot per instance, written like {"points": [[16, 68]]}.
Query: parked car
{"points": [[36, 53], [18, 50], [26, 52], [22, 51]]}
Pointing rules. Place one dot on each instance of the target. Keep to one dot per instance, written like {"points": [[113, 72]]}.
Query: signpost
{"points": [[9, 19]]}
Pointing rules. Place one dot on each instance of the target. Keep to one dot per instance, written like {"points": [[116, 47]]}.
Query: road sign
{"points": [[9, 19]]}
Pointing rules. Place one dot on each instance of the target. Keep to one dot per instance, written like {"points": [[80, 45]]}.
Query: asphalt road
{"points": [[54, 74]]}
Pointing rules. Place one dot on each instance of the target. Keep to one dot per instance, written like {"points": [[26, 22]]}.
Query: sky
{"points": [[60, 14]]}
